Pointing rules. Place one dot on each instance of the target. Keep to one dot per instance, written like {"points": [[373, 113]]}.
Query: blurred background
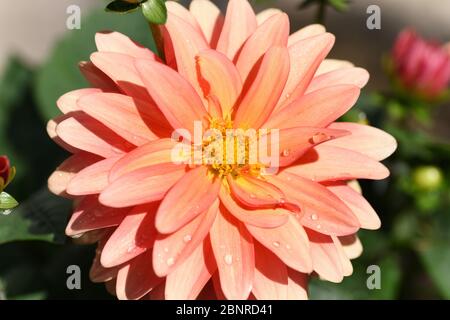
{"points": [[38, 63]]}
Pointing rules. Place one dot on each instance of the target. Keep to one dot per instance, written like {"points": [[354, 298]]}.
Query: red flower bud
{"points": [[5, 170]]}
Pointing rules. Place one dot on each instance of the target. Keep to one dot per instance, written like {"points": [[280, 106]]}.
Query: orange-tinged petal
{"points": [[320, 209], [366, 215], [172, 250], [364, 139], [274, 32], [352, 246], [325, 256], [68, 102], [240, 23], [141, 186], [91, 215], [264, 218], [135, 120], [317, 109], [288, 241], [354, 76], [306, 32], [271, 276], [328, 163], [92, 179], [188, 279], [96, 77], [219, 78], [181, 109], [190, 196], [136, 279], [305, 56], [297, 285], [255, 193], [120, 43], [263, 92], [209, 18], [135, 235], [234, 252]]}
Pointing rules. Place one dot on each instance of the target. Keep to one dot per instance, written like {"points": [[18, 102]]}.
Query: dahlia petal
{"points": [[136, 279], [271, 276], [351, 245], [364, 139], [68, 102], [233, 249], [255, 193], [354, 76], [157, 293], [329, 65], [91, 215], [174, 8], [264, 91], [181, 109], [262, 16], [96, 77], [366, 215], [188, 279], [120, 43], [305, 56], [172, 250], [153, 153], [209, 18], [92, 179], [272, 33], [85, 133], [325, 256], [288, 242], [320, 208], [329, 163], [51, 131], [135, 235], [316, 109], [311, 30], [347, 268], [240, 23], [97, 272], [135, 120], [120, 68], [59, 180], [222, 79], [264, 218], [297, 285], [194, 193], [141, 186]]}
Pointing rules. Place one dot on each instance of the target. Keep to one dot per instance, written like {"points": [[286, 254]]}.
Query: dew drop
{"points": [[276, 244], [288, 246], [320, 137], [6, 212], [130, 249], [166, 250], [288, 178], [314, 217], [252, 196], [286, 152], [187, 238], [228, 259], [170, 261], [319, 226]]}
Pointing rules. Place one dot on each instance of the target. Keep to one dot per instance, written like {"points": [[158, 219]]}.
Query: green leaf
{"points": [[339, 5], [155, 11], [60, 73], [120, 6], [7, 201], [42, 217]]}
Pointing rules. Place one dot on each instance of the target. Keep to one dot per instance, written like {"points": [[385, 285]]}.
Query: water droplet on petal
{"points": [[252, 196], [228, 259], [286, 152], [288, 178], [187, 238], [170, 261], [166, 250], [320, 137], [288, 246], [130, 249], [314, 217], [319, 226], [276, 244]]}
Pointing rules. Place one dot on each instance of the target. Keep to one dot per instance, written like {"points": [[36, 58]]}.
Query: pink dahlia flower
{"points": [[181, 223], [422, 66]]}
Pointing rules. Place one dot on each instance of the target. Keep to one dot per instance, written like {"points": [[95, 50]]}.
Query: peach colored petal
{"points": [[272, 33], [264, 91], [262, 16], [209, 18], [120, 43], [136, 279], [240, 23], [92, 179], [58, 181], [317, 109], [172, 250], [297, 285], [176, 9], [311, 30], [135, 235], [68, 102], [141, 186], [271, 276], [265, 218], [289, 242], [329, 65], [96, 77], [364, 139], [347, 268], [188, 279], [135, 120], [352, 246], [181, 109], [366, 215], [194, 193], [97, 272], [320, 209], [234, 252], [219, 78], [355, 76], [305, 56], [329, 163]]}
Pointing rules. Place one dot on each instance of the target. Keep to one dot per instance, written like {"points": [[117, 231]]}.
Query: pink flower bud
{"points": [[5, 170]]}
